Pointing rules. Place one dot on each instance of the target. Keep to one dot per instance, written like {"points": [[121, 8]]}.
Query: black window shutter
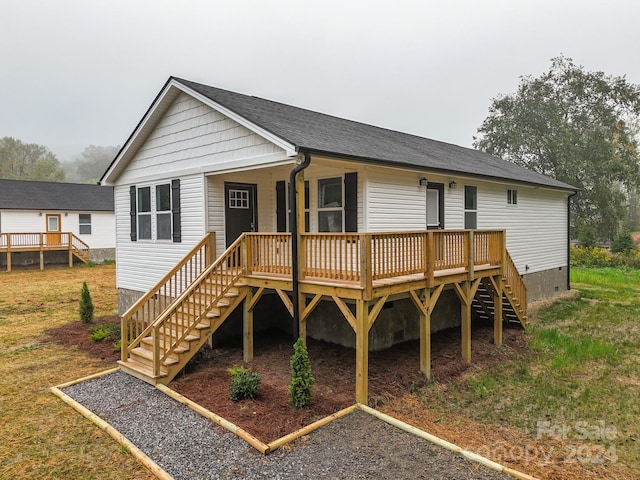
{"points": [[133, 212], [175, 211], [351, 202], [281, 206]]}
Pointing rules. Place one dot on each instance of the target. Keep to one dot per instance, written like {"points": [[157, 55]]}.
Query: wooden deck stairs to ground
{"points": [[483, 306], [168, 326]]}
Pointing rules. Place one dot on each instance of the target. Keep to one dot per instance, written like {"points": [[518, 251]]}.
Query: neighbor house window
{"points": [[155, 212], [470, 206], [84, 224], [330, 205], [512, 197]]}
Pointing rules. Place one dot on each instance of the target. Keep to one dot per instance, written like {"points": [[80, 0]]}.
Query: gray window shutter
{"points": [[175, 211], [351, 202], [133, 212], [281, 206]]}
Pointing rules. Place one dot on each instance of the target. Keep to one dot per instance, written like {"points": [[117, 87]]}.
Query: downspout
{"points": [[293, 222], [569, 239]]}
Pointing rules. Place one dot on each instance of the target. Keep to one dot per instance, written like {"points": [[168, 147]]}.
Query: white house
{"points": [[208, 160], [53, 208]]}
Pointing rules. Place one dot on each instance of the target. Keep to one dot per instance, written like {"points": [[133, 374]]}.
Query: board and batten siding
{"points": [[142, 263], [192, 138], [103, 231]]}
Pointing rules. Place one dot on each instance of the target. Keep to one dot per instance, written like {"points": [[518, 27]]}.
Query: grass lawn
{"points": [[570, 406], [567, 408], [42, 437]]}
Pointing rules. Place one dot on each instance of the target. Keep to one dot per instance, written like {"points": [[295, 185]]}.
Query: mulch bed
{"points": [[392, 373]]}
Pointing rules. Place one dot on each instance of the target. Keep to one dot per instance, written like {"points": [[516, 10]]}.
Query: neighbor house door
{"points": [[240, 211], [54, 229]]}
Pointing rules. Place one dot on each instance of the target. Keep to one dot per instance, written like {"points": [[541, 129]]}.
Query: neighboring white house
{"points": [[48, 207], [209, 160]]}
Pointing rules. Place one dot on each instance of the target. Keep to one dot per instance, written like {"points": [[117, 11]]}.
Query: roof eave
{"points": [[396, 164]]}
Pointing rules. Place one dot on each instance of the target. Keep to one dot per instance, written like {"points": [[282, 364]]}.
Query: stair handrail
{"points": [[79, 247], [514, 280], [137, 320], [211, 287]]}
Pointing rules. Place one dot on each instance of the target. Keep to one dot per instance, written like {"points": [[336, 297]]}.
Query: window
{"points": [[512, 197], [163, 211], [144, 213], [84, 224], [330, 205], [239, 199], [470, 206], [155, 212]]}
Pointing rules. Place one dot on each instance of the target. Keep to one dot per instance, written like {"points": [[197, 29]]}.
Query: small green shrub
{"points": [[244, 383], [301, 378], [109, 331], [109, 262], [86, 305], [600, 257]]}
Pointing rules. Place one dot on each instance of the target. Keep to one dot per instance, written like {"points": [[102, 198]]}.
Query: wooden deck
{"points": [[43, 242], [165, 328]]}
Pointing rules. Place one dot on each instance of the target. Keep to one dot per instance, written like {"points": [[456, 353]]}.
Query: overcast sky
{"points": [[75, 73]]}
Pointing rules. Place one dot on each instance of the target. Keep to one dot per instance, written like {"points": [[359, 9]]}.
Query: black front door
{"points": [[240, 212], [435, 206]]}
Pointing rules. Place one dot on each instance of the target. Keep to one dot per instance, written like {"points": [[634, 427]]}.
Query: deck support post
{"points": [[465, 313], [425, 335], [362, 352], [497, 310], [302, 318], [247, 326]]}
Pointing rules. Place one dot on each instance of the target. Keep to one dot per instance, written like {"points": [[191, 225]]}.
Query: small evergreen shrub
{"points": [[244, 383], [301, 378], [86, 305]]}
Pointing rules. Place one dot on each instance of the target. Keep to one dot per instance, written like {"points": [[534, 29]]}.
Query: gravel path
{"points": [[189, 446]]}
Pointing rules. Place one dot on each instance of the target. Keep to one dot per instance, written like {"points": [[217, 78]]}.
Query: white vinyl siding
{"points": [[193, 138], [102, 225], [142, 263]]}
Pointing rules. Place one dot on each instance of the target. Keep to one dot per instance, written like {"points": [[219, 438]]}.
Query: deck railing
{"points": [[150, 306], [366, 257], [515, 282], [182, 317]]}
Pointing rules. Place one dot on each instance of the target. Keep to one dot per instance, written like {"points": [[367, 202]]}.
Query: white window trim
{"points": [[329, 209], [512, 194], [153, 213], [81, 224]]}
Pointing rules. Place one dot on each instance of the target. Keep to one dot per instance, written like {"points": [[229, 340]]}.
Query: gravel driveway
{"points": [[188, 446]]}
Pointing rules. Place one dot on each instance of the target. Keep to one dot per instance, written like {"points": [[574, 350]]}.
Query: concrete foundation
{"points": [[546, 284], [99, 255]]}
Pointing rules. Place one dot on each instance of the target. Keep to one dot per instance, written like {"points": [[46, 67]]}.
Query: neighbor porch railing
{"points": [[41, 241]]}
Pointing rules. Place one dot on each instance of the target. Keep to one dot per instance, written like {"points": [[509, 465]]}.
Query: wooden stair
{"points": [[140, 360], [513, 311], [159, 349]]}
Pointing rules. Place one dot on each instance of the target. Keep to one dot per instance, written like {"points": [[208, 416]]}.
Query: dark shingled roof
{"points": [[32, 195], [321, 133]]}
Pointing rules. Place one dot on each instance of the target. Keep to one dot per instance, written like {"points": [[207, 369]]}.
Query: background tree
{"points": [[575, 126], [91, 164], [28, 161]]}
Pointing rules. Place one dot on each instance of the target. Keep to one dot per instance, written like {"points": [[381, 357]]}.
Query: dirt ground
{"points": [[392, 373]]}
